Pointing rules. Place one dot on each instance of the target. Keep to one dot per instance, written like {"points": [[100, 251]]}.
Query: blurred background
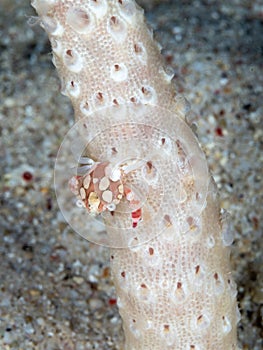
{"points": [[55, 287]]}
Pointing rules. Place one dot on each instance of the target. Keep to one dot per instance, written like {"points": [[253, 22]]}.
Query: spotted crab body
{"points": [[101, 189]]}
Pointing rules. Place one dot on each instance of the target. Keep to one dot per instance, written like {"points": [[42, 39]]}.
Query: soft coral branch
{"points": [[172, 274]]}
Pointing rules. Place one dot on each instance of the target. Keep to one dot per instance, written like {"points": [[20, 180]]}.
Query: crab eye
{"points": [[86, 160], [86, 165]]}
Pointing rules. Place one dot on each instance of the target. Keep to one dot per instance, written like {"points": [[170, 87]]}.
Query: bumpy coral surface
{"points": [[171, 271]]}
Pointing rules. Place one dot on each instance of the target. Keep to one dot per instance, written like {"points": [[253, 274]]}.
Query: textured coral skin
{"points": [[176, 290]]}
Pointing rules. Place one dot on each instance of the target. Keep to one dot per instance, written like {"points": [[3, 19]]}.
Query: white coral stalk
{"points": [[172, 274]]}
